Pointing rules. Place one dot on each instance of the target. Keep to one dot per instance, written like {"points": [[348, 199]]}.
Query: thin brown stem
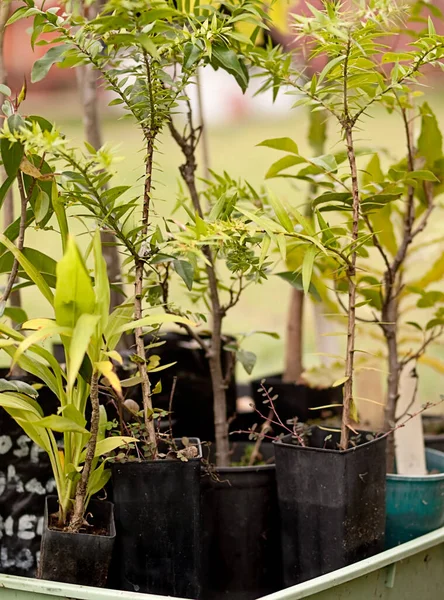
{"points": [[77, 520], [214, 351], [20, 240], [294, 342]]}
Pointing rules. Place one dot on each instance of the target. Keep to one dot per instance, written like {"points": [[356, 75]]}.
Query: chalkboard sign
{"points": [[25, 479]]}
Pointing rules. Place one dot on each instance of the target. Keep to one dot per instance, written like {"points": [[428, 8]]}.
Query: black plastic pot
{"points": [[25, 479], [193, 397], [158, 520], [80, 558], [297, 400], [332, 504], [241, 541]]}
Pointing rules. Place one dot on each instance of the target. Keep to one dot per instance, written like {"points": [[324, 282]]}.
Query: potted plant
{"points": [[157, 43], [301, 391], [81, 319]]}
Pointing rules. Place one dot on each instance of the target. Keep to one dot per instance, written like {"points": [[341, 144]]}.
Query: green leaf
{"points": [[227, 59], [280, 212], [29, 268], [81, 337], [329, 66], [41, 206], [247, 360], [430, 138], [16, 314], [109, 444], [152, 320], [422, 175], [13, 385], [74, 293], [295, 279], [98, 479], [59, 209], [60, 424], [12, 154], [4, 90], [284, 143], [38, 336], [185, 270], [73, 413], [191, 54], [16, 402], [307, 268], [339, 382], [283, 163], [42, 65]]}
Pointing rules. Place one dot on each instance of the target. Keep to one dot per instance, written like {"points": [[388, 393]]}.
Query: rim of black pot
{"points": [[246, 469], [282, 442], [111, 534]]}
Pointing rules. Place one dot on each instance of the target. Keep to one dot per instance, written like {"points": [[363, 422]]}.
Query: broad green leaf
{"points": [[307, 268], [74, 293], [185, 270], [4, 90], [4, 189], [29, 268], [152, 320], [109, 444], [13, 385], [16, 402], [39, 336], [81, 337], [191, 54], [41, 206], [72, 413], [119, 317], [247, 360], [98, 479], [283, 163], [106, 369], [12, 154], [373, 173], [284, 143], [228, 60], [430, 138], [422, 175], [42, 65], [295, 279], [60, 424], [60, 213]]}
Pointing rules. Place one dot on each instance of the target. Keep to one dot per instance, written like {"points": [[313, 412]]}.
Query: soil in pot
{"points": [[81, 558], [434, 432], [332, 503], [193, 396], [158, 520], [297, 399], [241, 543], [415, 504], [25, 479]]}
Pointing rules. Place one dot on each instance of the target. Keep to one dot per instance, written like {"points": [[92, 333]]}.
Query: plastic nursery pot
{"points": [[25, 479], [158, 520], [434, 432], [81, 558], [193, 396], [241, 543], [297, 400], [415, 504], [332, 503]]}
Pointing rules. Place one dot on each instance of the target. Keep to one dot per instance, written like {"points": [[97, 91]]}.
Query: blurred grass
{"points": [[233, 148]]}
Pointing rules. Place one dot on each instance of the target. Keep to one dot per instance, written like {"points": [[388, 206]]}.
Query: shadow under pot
{"points": [[158, 522], [297, 400], [192, 403], [241, 541], [81, 558], [415, 503], [332, 503]]}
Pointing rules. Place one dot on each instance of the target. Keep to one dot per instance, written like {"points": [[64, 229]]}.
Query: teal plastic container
{"points": [[415, 504]]}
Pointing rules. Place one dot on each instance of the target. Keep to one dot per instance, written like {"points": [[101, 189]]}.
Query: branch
{"points": [[20, 239]]}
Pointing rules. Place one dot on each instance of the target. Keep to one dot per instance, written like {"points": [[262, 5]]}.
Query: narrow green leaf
{"points": [[283, 163], [307, 268], [81, 336]]}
